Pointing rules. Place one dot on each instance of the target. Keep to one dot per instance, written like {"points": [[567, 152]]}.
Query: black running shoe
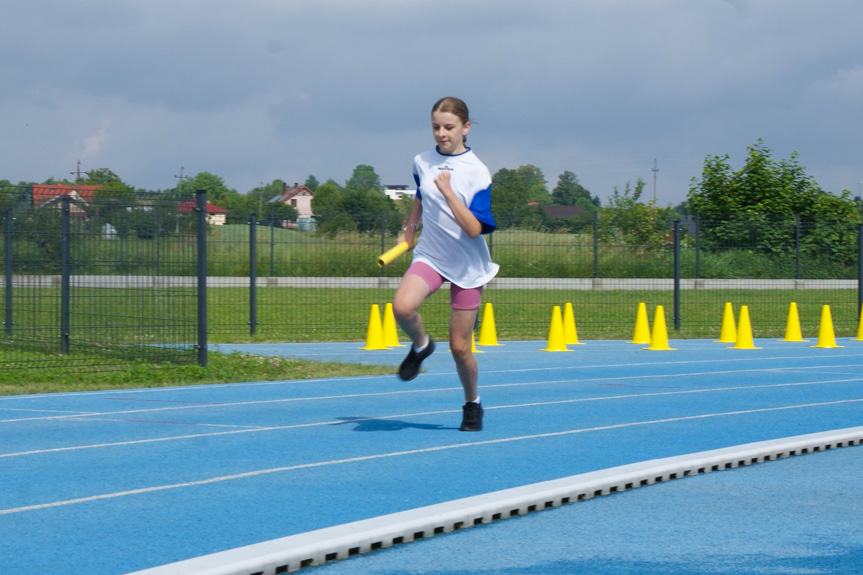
{"points": [[410, 367], [472, 419]]}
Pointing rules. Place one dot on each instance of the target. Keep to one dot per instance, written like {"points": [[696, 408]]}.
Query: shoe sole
{"points": [[415, 374]]}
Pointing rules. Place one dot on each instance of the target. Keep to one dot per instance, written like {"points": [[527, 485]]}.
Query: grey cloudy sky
{"points": [[255, 90]]}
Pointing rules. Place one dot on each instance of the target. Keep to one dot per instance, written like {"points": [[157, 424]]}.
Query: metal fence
{"points": [[90, 282], [126, 276], [268, 283]]}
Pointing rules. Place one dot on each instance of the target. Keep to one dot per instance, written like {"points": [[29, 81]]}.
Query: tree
{"points": [[327, 206], [13, 197], [633, 222], [534, 184], [107, 179], [364, 200], [279, 211], [259, 197], [239, 207], [569, 192], [769, 201], [508, 198], [217, 190], [312, 183], [364, 179]]}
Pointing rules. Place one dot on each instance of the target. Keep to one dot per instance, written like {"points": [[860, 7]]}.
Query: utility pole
{"points": [[655, 171], [181, 177], [77, 173]]}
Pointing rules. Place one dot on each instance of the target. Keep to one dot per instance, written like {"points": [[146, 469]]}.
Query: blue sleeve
{"points": [[480, 207], [417, 180]]}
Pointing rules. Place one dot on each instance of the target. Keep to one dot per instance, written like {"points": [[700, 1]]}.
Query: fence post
{"points": [[272, 241], [201, 209], [596, 244], [65, 283], [797, 246], [697, 247], [253, 274], [8, 243], [676, 275], [383, 236], [859, 269]]}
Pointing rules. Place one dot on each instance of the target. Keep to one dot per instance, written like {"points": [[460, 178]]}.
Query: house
{"points": [[216, 215], [555, 212], [49, 195], [397, 192], [300, 198]]}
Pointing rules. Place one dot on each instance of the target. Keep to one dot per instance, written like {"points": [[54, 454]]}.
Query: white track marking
{"points": [[418, 414], [205, 387], [210, 405], [261, 472]]}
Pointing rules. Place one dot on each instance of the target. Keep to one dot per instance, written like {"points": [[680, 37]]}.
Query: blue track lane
{"points": [[112, 482]]}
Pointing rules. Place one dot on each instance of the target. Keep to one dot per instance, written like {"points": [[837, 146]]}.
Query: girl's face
{"points": [[449, 132]]}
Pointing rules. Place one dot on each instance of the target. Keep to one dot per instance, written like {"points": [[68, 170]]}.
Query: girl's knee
{"points": [[403, 309], [461, 348]]}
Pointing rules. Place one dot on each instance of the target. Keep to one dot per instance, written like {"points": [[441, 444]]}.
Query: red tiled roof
{"points": [[44, 192], [289, 193], [191, 205]]}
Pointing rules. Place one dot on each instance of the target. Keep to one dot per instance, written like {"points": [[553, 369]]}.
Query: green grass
{"points": [[221, 368], [148, 315], [336, 314], [333, 314]]}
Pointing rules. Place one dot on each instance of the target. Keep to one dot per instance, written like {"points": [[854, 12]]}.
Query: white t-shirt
{"points": [[443, 244]]}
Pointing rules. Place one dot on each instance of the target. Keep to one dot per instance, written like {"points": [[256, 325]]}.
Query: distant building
{"points": [[300, 198], [555, 212], [49, 195], [216, 216], [398, 192]]}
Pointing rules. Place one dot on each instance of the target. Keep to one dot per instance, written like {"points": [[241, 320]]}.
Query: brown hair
{"points": [[453, 106]]}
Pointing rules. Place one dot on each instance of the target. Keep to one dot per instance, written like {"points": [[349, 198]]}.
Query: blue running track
{"points": [[112, 482]]}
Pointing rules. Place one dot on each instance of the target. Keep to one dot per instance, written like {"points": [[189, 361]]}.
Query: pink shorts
{"points": [[459, 297]]}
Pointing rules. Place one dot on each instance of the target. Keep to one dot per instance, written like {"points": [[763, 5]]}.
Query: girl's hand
{"points": [[408, 235], [443, 184], [462, 214]]}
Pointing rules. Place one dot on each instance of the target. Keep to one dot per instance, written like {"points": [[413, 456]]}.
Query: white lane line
{"points": [[406, 415], [629, 378], [731, 359], [261, 472]]}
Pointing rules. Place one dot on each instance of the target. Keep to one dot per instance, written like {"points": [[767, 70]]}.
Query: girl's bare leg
{"points": [[411, 293], [461, 324]]}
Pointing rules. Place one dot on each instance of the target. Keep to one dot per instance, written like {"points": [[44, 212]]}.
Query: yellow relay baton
{"points": [[391, 254]]}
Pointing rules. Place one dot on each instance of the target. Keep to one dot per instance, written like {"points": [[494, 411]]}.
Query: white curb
{"points": [[290, 554]]}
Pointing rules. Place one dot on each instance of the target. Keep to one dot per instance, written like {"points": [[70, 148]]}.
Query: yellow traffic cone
{"points": [[728, 333], [570, 334], [826, 337], [374, 334], [642, 329], [860, 326], [391, 333], [792, 326], [659, 335], [744, 331], [487, 329], [473, 344], [556, 340]]}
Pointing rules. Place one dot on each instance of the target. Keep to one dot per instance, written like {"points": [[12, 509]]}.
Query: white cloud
{"points": [[267, 89], [92, 145]]}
